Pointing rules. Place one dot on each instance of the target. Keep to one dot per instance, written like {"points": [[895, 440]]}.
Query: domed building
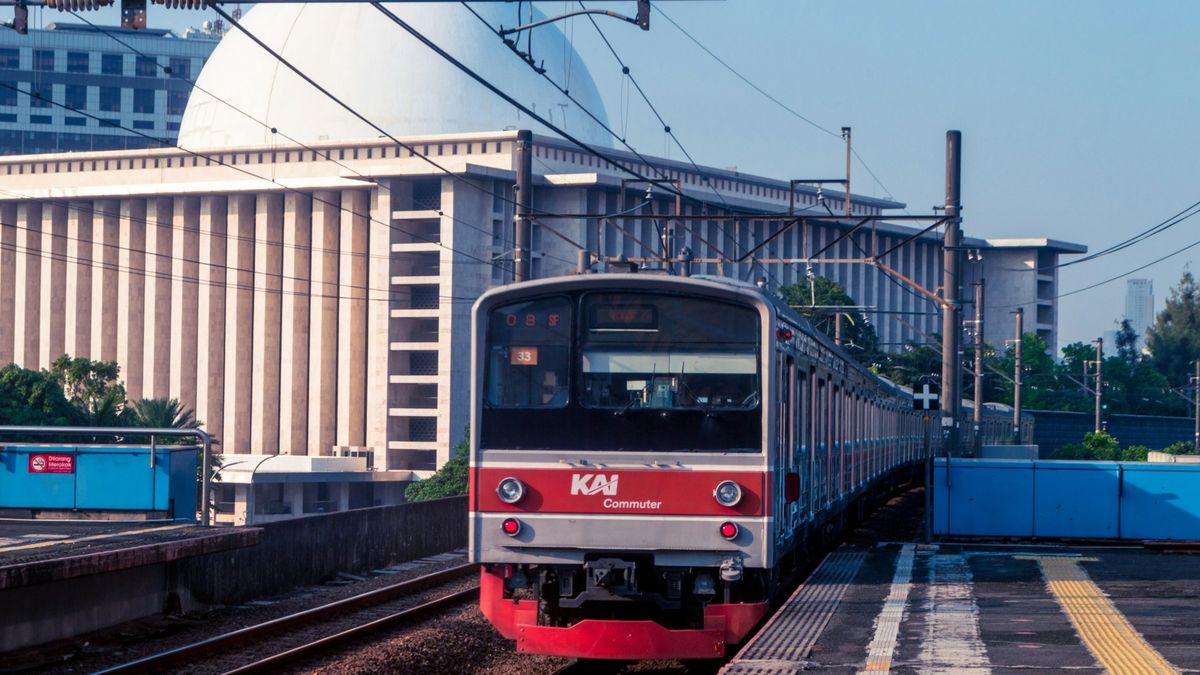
{"points": [[386, 75], [304, 282]]}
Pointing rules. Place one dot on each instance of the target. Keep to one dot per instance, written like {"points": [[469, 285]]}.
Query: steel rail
{"points": [[271, 664], [249, 634]]}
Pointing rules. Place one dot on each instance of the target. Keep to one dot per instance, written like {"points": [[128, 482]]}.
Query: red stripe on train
{"points": [[605, 490]]}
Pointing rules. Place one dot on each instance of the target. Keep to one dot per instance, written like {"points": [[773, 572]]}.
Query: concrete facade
{"points": [[314, 300]]}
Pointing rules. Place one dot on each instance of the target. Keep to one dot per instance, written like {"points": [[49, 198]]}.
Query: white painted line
{"points": [[887, 623], [952, 641]]}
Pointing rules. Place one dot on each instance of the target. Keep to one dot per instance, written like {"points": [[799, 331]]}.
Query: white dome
{"points": [[376, 67]]}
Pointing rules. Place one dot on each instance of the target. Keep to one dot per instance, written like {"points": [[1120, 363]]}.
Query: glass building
{"points": [[87, 69]]}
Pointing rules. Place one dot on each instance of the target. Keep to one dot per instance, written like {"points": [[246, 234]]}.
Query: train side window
{"points": [[528, 359]]}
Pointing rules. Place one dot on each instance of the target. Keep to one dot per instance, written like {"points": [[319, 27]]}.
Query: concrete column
{"points": [[210, 311], [323, 325], [268, 270], [293, 364], [106, 254], [8, 280], [27, 306], [54, 284], [293, 496], [239, 325], [79, 305], [352, 319], [378, 306], [131, 294], [185, 295], [156, 378]]}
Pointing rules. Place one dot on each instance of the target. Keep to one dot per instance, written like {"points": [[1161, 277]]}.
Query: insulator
{"points": [[184, 4], [77, 5]]}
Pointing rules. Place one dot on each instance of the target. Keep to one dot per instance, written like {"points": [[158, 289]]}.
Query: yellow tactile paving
{"points": [[93, 537], [1103, 629]]}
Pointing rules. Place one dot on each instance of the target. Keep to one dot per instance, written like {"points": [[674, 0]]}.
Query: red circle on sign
{"points": [[38, 463]]}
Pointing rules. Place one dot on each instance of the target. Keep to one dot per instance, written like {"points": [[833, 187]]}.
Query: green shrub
{"points": [[448, 481], [1180, 448], [1134, 453], [1102, 446]]}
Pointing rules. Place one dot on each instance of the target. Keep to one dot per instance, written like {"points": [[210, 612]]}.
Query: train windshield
{"points": [[664, 352], [608, 371], [528, 359]]}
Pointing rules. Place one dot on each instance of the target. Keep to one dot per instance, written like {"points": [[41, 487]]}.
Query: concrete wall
{"points": [[1053, 429], [307, 550]]}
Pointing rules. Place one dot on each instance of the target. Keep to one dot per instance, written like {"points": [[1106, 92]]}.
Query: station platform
{"points": [[977, 608], [123, 569]]}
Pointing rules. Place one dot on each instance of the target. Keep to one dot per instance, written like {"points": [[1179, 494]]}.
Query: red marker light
{"points": [[729, 530], [784, 334], [512, 526]]}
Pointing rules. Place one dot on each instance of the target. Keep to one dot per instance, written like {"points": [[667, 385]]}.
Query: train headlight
{"points": [[728, 493], [510, 490]]}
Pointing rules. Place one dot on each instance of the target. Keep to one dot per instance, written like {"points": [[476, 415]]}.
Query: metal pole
{"points": [[849, 151], [978, 412], [1017, 375], [951, 318], [837, 328], [524, 204], [1099, 378], [928, 481]]}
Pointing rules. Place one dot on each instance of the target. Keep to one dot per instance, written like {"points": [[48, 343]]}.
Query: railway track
{"points": [[252, 638]]}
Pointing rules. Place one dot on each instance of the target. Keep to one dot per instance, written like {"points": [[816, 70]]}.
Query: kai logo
{"points": [[593, 484]]}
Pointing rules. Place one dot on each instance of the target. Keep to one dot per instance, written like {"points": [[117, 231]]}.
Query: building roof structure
{"points": [[374, 66]]}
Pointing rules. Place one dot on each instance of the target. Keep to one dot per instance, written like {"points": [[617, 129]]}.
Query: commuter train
{"points": [[652, 453]]}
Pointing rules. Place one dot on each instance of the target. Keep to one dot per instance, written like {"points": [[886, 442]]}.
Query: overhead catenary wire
{"points": [[220, 162], [565, 91], [1149, 232], [790, 110], [1114, 278]]}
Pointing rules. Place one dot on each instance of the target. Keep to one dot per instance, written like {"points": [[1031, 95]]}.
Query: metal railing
{"points": [[201, 436]]}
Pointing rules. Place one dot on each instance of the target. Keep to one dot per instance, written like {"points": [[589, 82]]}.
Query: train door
{"points": [[800, 430], [820, 419], [783, 449], [835, 442]]}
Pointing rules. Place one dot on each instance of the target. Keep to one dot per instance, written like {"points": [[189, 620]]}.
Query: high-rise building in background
{"points": [[78, 88], [1139, 307]]}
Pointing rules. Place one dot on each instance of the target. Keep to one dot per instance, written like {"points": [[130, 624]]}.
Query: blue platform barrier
{"points": [[1066, 499], [100, 478]]}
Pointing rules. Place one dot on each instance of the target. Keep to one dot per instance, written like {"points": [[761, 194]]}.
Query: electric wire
{"points": [[420, 37], [220, 162], [324, 154], [636, 85], [1149, 232], [773, 99], [566, 92]]}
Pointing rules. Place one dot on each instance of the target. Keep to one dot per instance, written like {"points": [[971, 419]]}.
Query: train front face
{"points": [[619, 487]]}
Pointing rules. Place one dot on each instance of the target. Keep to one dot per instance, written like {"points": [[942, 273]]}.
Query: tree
{"points": [[161, 413], [1174, 339], [858, 335], [913, 364], [1127, 340], [448, 481], [94, 387], [32, 397]]}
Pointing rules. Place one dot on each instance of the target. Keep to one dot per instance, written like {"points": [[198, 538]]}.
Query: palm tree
{"points": [[161, 413]]}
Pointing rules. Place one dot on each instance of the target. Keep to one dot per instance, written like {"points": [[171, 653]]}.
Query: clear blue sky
{"points": [[1079, 119]]}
